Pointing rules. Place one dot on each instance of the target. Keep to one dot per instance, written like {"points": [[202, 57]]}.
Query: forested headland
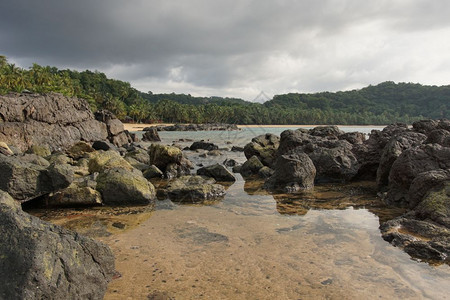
{"points": [[384, 103]]}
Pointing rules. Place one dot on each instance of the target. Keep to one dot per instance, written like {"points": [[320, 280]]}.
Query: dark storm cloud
{"points": [[231, 47]]}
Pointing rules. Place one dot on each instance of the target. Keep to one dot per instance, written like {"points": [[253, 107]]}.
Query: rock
{"points": [[435, 205], [439, 136], [409, 165], [74, 196], [120, 186], [59, 158], [229, 162], [425, 126], [151, 135], [292, 172], [251, 166], [34, 159], [237, 169], [194, 189], [420, 239], [353, 137], [153, 172], [264, 147], [265, 172], [5, 150], [42, 151], [139, 154], [103, 160], [39, 260], [26, 181], [51, 120], [116, 132], [170, 160], [425, 182], [214, 153], [237, 149], [326, 131], [79, 150], [218, 172], [136, 164], [203, 145], [392, 151], [103, 145]]}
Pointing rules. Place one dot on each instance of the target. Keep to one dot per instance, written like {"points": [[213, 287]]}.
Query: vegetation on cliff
{"points": [[384, 103]]}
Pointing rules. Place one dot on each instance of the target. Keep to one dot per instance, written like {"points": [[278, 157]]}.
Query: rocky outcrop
{"points": [[104, 160], [195, 127], [218, 172], [39, 260], [264, 147], [169, 160], [194, 189], [292, 172], [52, 120], [116, 131], [251, 166], [25, 180]]}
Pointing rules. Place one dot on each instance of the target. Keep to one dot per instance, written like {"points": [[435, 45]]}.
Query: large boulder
{"points": [[81, 192], [25, 181], [424, 182], [435, 205], [103, 160], [392, 151], [151, 135], [409, 165], [439, 136], [251, 166], [39, 260], [51, 120], [194, 189], [292, 172], [326, 131], [203, 145], [120, 186], [115, 129], [264, 147], [218, 172], [169, 160]]}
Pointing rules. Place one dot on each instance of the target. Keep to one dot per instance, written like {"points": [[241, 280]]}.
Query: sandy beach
{"points": [[138, 127]]}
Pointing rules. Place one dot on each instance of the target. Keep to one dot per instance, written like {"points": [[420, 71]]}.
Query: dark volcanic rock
{"points": [[51, 119], [353, 137], [116, 132], [425, 126], [439, 136], [326, 131], [425, 182], [292, 172], [435, 205], [103, 145], [409, 165], [151, 135], [26, 181], [218, 172], [264, 147], [251, 166], [203, 145], [392, 151], [39, 260], [169, 160]]}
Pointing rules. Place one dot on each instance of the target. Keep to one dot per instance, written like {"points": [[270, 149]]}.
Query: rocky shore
{"points": [[55, 152]]}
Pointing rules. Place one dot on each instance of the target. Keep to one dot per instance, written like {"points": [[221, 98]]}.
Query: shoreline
{"points": [[139, 127]]}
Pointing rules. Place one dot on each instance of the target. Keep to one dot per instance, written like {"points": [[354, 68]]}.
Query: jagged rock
{"points": [[5, 150], [170, 160], [251, 166], [218, 172], [435, 205], [25, 181], [51, 120], [392, 151], [292, 172], [42, 151], [409, 165], [103, 160], [194, 189], [34, 159], [103, 145], [39, 260], [353, 137], [425, 182], [120, 186], [439, 136], [151, 135], [203, 145], [326, 131], [425, 126], [229, 162], [79, 150], [139, 154], [153, 172], [265, 172], [264, 147]]}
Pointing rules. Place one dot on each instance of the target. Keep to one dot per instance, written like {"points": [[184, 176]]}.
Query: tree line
{"points": [[385, 103]]}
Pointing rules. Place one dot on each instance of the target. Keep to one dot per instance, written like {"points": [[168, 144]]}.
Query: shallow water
{"points": [[321, 244]]}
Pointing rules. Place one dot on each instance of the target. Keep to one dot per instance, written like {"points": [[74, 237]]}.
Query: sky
{"points": [[234, 48]]}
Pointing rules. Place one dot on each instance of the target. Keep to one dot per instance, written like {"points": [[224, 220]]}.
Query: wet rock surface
{"points": [[218, 172], [39, 260], [194, 189]]}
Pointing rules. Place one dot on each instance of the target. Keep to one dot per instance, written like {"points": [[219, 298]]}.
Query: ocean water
{"points": [[319, 244]]}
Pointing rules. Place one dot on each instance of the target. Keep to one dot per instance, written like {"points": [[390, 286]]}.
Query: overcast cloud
{"points": [[234, 48]]}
